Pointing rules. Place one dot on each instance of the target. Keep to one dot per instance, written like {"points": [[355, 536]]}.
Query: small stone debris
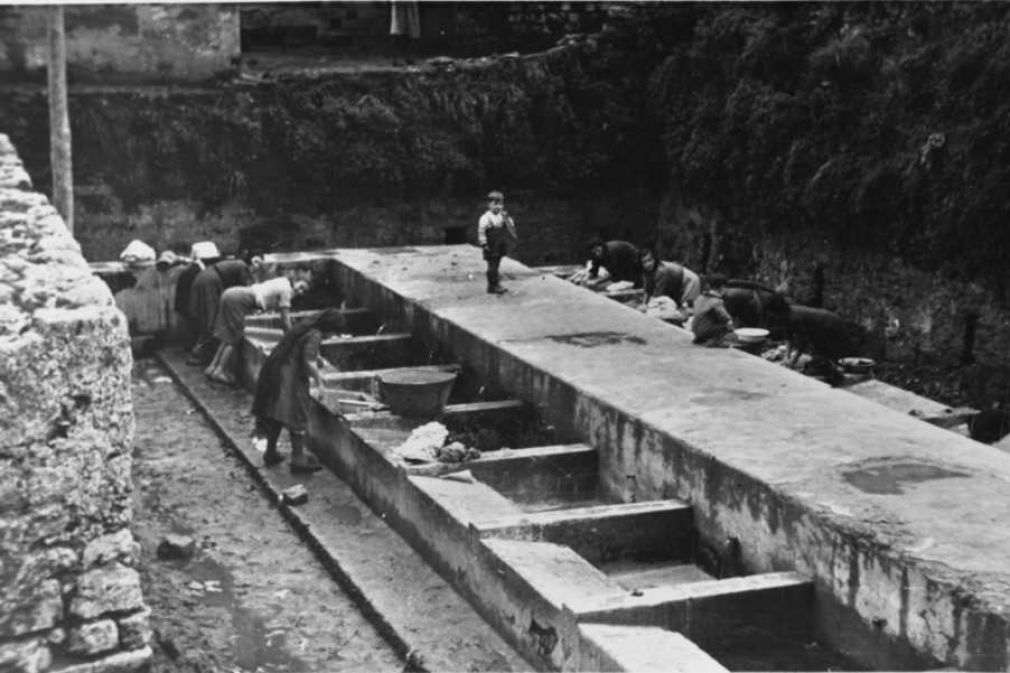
{"points": [[175, 547], [296, 495]]}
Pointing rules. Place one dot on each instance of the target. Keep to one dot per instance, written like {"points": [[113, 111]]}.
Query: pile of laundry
{"points": [[427, 444], [664, 308]]}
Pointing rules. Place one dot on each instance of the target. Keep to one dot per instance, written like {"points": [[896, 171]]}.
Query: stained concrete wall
{"points": [[69, 590], [183, 42]]}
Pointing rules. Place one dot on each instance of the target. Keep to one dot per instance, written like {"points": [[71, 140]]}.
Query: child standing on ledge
{"points": [[494, 230]]}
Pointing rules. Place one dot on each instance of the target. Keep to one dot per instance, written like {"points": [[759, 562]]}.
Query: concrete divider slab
{"points": [[533, 477], [605, 647], [467, 502], [366, 352], [907, 402], [779, 602], [660, 530], [359, 320], [362, 379]]}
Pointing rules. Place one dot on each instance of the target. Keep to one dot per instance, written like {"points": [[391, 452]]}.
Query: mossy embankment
{"points": [[853, 152], [356, 158]]}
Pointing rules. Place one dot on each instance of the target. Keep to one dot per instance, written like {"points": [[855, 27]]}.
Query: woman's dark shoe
{"points": [[305, 463], [271, 458]]}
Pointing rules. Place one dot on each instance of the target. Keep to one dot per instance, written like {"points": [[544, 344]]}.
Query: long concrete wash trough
{"points": [[644, 504]]}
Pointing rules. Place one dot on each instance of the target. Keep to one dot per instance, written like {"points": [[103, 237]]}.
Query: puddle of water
{"points": [[887, 479], [593, 339], [255, 648]]}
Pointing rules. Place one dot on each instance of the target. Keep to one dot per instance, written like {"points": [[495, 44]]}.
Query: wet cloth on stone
{"points": [[282, 389], [205, 295], [238, 302], [674, 281]]}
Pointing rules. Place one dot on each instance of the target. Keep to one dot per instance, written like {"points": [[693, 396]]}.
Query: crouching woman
{"points": [[282, 390]]}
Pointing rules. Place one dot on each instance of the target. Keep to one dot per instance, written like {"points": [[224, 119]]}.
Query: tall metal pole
{"points": [[59, 118]]}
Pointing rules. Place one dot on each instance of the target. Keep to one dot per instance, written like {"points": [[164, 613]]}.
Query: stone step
{"points": [[642, 531]]}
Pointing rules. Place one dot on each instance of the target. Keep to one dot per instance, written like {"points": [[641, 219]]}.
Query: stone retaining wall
{"points": [[70, 596]]}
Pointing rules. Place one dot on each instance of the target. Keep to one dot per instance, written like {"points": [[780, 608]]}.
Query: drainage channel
{"points": [[526, 534]]}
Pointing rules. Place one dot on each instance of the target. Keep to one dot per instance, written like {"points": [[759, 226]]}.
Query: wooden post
{"points": [[59, 118]]}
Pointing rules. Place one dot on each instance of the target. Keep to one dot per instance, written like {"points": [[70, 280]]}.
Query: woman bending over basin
{"points": [[238, 302], [282, 389]]}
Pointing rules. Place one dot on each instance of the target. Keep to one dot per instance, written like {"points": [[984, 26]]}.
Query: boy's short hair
{"points": [[596, 242], [495, 196]]}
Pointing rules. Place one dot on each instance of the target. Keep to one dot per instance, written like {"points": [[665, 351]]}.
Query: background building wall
{"points": [[172, 42]]}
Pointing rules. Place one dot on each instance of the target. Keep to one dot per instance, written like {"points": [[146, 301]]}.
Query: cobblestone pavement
{"points": [[253, 597]]}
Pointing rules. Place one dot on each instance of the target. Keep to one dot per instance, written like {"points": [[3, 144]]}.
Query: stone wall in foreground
{"points": [[70, 596]]}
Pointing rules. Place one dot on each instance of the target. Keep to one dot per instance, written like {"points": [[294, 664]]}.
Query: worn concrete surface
{"points": [[882, 510], [414, 606]]}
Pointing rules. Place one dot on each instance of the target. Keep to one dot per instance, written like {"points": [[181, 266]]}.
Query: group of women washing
{"points": [[214, 295], [721, 305]]}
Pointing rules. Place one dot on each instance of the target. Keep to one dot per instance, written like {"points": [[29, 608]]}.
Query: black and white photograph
{"points": [[478, 336]]}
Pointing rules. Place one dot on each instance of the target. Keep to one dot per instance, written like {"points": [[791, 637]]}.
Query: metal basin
{"points": [[416, 393]]}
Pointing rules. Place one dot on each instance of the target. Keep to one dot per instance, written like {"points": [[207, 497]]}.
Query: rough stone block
{"points": [[176, 547], [135, 630], [119, 546], [296, 495], [132, 661], [93, 637], [32, 656], [104, 591]]}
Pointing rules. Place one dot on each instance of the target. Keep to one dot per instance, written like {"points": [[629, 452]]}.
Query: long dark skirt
{"points": [[205, 298], [282, 390]]}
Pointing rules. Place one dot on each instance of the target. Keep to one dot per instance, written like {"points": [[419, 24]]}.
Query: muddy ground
{"points": [[253, 597]]}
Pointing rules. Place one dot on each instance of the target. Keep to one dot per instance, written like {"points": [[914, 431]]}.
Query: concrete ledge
{"points": [[649, 531], [604, 647], [907, 402], [466, 502], [384, 350], [361, 379], [531, 475], [359, 320], [780, 602]]}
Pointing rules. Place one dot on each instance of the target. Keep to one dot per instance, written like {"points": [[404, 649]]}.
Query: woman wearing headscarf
{"points": [[282, 389]]}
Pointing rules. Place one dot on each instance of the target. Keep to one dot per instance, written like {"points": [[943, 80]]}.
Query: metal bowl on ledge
{"points": [[416, 393]]}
